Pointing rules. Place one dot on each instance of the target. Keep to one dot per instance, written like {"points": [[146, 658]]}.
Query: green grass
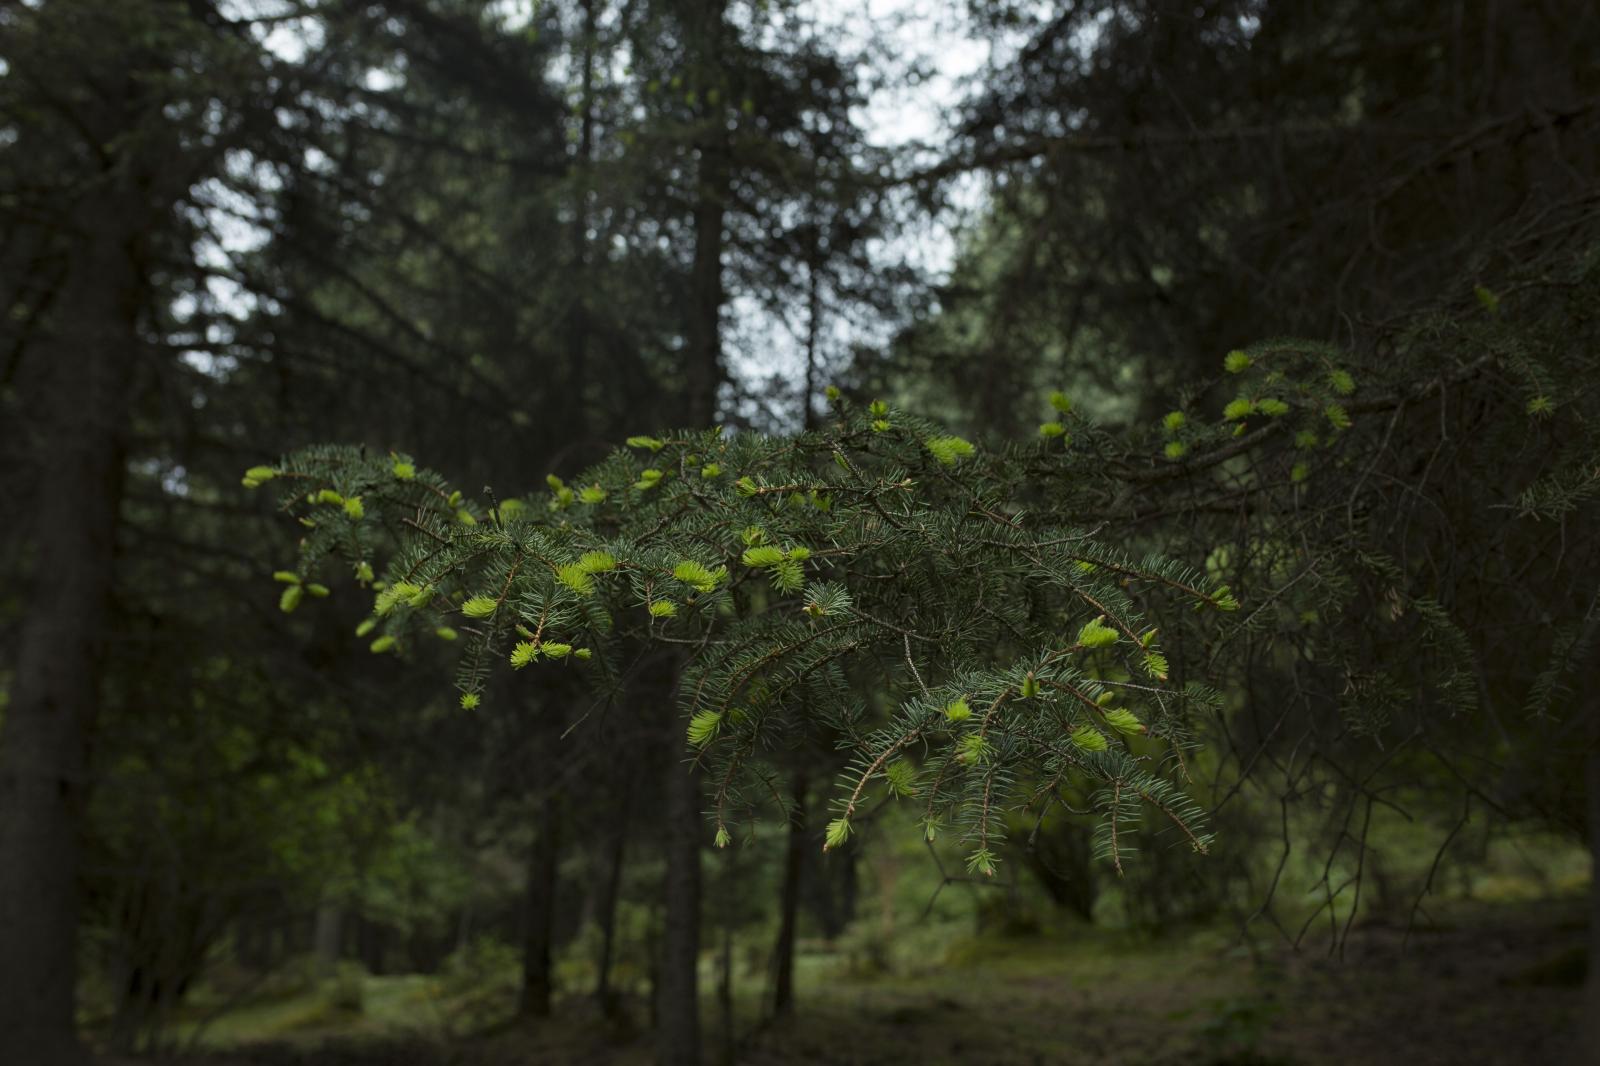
{"points": [[1486, 980]]}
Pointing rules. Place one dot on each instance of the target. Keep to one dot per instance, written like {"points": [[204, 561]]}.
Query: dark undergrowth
{"points": [[1484, 984]]}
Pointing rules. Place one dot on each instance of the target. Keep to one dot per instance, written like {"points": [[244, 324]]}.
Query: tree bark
{"points": [[725, 1043], [86, 370], [789, 906], [703, 371], [678, 1027], [1062, 860], [544, 857], [328, 938], [606, 906], [577, 325], [1590, 1036], [813, 330]]}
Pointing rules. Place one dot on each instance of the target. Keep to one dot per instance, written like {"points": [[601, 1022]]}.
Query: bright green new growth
{"points": [[597, 562], [949, 450], [902, 778], [704, 727], [911, 528], [479, 607], [699, 576], [1124, 721], [1088, 738], [257, 476], [1243, 407], [576, 577], [1096, 634], [762, 555]]}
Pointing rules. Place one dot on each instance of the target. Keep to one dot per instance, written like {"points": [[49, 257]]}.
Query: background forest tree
{"points": [[504, 238]]}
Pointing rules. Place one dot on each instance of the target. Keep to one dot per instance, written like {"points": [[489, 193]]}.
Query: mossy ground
{"points": [[1486, 984]]}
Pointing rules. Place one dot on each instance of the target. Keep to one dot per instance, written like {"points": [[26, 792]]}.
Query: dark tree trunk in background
{"points": [[1589, 1037], [813, 330], [85, 368], [544, 857], [606, 904], [577, 325], [1062, 861], [703, 370], [789, 906], [328, 938], [677, 992], [829, 888], [725, 1045], [372, 941]]}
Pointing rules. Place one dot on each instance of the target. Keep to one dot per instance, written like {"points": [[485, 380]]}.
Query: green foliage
{"points": [[1088, 738], [479, 606], [704, 727], [1124, 721], [698, 576], [983, 706], [949, 450], [1242, 407], [1096, 634]]}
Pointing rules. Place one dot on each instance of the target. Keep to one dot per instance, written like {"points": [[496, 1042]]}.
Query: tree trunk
{"points": [[543, 859], [1589, 1041], [373, 940], [577, 325], [86, 370], [678, 1029], [328, 938], [789, 906], [1062, 859], [725, 1048], [606, 906], [703, 370]]}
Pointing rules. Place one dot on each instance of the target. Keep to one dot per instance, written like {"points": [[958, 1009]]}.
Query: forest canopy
{"points": [[751, 507]]}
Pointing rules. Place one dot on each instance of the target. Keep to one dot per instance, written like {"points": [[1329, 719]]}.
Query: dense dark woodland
{"points": [[1165, 635]]}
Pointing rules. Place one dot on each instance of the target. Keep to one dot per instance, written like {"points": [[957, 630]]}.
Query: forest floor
{"points": [[1487, 985]]}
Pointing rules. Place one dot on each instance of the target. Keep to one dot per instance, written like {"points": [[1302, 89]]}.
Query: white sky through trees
{"points": [[927, 58]]}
